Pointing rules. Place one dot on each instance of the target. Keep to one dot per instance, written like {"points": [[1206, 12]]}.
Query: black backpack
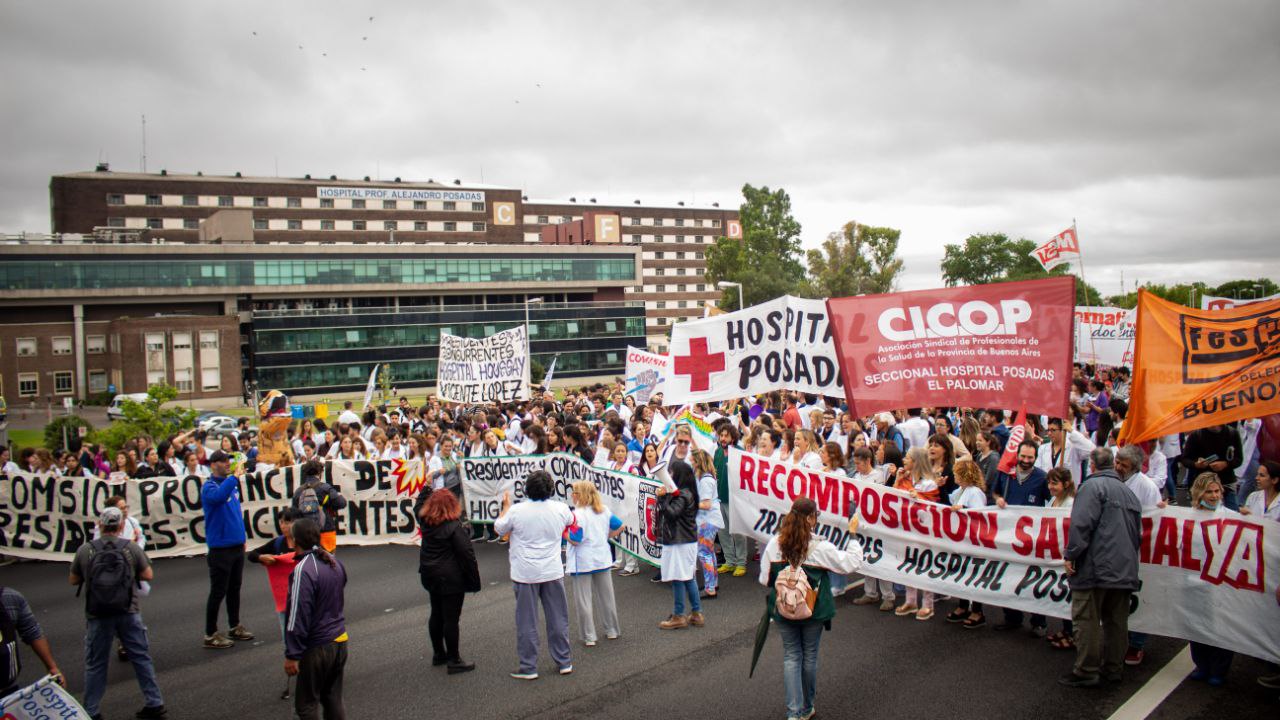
{"points": [[111, 579], [310, 504], [10, 662]]}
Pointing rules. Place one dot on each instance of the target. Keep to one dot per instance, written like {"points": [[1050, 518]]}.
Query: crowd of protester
{"points": [[943, 455]]}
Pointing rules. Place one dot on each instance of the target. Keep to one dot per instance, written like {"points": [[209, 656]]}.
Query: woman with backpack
{"points": [[796, 566]]}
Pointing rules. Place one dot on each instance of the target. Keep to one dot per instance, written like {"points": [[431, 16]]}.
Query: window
{"points": [[635, 221], [358, 225], [326, 225], [662, 321], [62, 382], [210, 379], [115, 199], [225, 201], [259, 223], [194, 224], [683, 304], [295, 224], [259, 202], [388, 204], [661, 304], [702, 288], [190, 200], [293, 202], [326, 202], [679, 256], [658, 255], [26, 347], [357, 204], [543, 219], [679, 238], [62, 346], [679, 222], [153, 199], [450, 227], [611, 326], [419, 204], [697, 222], [477, 207], [155, 223], [682, 288], [680, 271], [115, 222], [95, 344], [420, 226], [28, 384], [565, 219], [715, 223], [182, 379], [208, 339], [659, 272], [181, 341], [450, 205], [636, 238], [697, 238], [389, 225], [154, 342], [477, 226], [97, 381], [657, 222]]}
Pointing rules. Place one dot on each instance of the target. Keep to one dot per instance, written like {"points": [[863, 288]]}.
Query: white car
{"points": [[115, 410]]}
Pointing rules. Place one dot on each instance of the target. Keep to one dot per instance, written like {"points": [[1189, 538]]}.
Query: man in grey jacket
{"points": [[1102, 563]]}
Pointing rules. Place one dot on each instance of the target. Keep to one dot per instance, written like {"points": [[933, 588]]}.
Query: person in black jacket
{"points": [[331, 501], [448, 570], [1215, 449], [678, 510]]}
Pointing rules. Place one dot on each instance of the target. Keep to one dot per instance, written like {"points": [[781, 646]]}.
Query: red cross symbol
{"points": [[699, 364]]}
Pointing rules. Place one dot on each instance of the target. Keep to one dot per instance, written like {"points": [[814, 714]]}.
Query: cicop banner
{"points": [[1189, 560], [783, 344], [647, 374], [494, 369], [47, 517], [1196, 368], [1105, 335], [1002, 345], [632, 498], [1213, 302]]}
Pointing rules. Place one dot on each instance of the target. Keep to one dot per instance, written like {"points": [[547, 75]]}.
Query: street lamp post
{"points": [[725, 285]]}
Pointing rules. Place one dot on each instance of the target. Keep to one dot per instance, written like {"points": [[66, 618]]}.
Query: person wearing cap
{"points": [[127, 625], [225, 536]]}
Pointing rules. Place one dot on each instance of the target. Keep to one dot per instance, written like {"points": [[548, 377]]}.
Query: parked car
{"points": [[115, 410], [214, 437], [216, 422]]}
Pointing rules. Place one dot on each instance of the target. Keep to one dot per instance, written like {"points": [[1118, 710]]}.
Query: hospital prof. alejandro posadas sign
{"points": [[376, 193]]}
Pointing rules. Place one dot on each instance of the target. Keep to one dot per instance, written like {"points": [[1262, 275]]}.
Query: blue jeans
{"points": [[680, 588], [97, 658], [839, 583], [800, 664]]}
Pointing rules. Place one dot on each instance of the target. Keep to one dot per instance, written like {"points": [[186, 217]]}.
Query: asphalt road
{"points": [[873, 665]]}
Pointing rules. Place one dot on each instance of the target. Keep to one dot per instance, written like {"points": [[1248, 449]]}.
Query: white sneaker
{"points": [[590, 643], [566, 669], [525, 675]]}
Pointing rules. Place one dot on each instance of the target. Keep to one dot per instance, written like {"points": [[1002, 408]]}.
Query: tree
{"points": [[859, 260], [64, 432], [995, 258], [767, 260], [1245, 289], [385, 383], [148, 417]]}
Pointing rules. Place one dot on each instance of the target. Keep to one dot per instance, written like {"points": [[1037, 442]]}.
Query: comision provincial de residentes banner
{"points": [[46, 517], [632, 498], [1209, 577]]}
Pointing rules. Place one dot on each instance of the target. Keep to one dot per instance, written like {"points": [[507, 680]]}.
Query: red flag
{"points": [[1009, 460]]}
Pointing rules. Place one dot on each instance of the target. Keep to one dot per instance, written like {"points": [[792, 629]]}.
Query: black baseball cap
{"points": [[219, 456]]}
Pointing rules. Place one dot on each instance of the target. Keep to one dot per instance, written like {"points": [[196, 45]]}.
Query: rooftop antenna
{"points": [[144, 143]]}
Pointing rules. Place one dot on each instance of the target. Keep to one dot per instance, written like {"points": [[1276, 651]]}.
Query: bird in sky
{"points": [[255, 33], [370, 18]]}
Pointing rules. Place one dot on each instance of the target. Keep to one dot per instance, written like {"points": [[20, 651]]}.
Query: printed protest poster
{"points": [[494, 369], [1196, 368], [632, 498], [783, 344], [1013, 557], [647, 374], [44, 699], [46, 517], [1213, 302], [1004, 345], [1105, 335]]}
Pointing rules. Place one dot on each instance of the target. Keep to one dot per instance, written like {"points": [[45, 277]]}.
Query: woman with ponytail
{"points": [[796, 546]]}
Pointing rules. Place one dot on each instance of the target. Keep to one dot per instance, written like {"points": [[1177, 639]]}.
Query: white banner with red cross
{"points": [[783, 344]]}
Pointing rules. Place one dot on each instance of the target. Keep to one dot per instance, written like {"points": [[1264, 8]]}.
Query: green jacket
{"points": [[721, 462], [824, 608]]}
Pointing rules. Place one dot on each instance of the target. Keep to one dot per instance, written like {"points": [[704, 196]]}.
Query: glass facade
{"points": [[127, 272], [429, 335]]}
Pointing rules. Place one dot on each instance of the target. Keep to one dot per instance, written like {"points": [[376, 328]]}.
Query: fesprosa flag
{"points": [[1197, 368], [1003, 345]]}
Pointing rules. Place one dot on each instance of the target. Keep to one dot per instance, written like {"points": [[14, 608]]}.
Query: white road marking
{"points": [[1150, 695]]}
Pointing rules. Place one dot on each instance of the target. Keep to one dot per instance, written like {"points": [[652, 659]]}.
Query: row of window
{"points": [[97, 344], [603, 362], [63, 382], [634, 221], [677, 255], [429, 335], [666, 288], [184, 360], [260, 201], [282, 224], [664, 304], [100, 274], [662, 272]]}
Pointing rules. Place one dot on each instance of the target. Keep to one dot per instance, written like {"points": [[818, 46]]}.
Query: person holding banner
{"points": [[1067, 447], [733, 545], [1101, 562], [709, 520], [917, 478], [678, 510], [1264, 503], [1212, 662], [970, 494], [1062, 494], [797, 546], [1026, 485]]}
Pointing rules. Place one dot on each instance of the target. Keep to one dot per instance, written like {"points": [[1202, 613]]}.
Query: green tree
{"points": [[995, 258], [858, 260], [54, 436], [1180, 293], [767, 260], [537, 372], [385, 381], [1245, 289], [148, 417]]}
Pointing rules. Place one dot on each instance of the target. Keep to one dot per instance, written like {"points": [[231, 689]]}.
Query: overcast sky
{"points": [[1155, 125]]}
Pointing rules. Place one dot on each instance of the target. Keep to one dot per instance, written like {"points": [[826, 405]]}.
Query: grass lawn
{"points": [[26, 438]]}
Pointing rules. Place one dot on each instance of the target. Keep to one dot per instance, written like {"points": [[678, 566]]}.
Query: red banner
{"points": [[1004, 345]]}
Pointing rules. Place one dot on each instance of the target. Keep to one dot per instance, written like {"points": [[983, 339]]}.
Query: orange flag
{"points": [[1197, 368]]}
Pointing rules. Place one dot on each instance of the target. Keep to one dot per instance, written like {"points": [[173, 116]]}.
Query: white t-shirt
{"points": [[390, 453], [707, 490], [969, 497], [1146, 490], [592, 553], [811, 460], [1256, 502], [536, 527], [822, 553], [1067, 503]]}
